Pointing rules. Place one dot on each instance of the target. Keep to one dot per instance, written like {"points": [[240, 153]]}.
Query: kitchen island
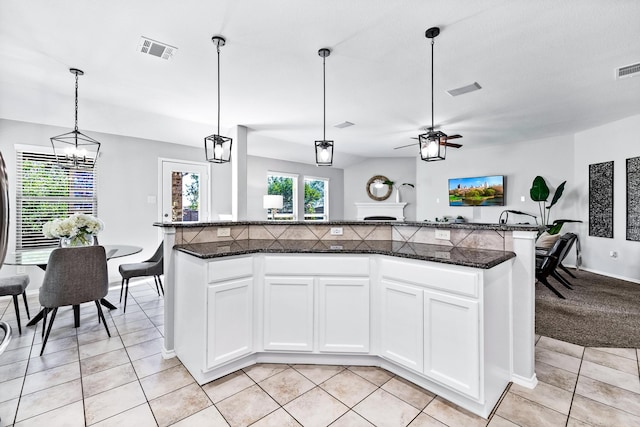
{"points": [[436, 305]]}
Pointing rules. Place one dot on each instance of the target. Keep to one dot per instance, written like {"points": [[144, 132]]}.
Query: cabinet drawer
{"points": [[460, 280], [229, 269], [317, 265]]}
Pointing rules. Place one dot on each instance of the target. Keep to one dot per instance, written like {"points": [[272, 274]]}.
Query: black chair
{"points": [[546, 264], [571, 239], [73, 276], [152, 267], [14, 286]]}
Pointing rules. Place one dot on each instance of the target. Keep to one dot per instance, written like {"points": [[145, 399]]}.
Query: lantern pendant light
{"points": [[432, 144], [217, 147], [75, 150], [324, 148]]}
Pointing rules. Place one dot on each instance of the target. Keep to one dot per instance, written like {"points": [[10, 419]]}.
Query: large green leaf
{"points": [[539, 191], [558, 223], [557, 194]]}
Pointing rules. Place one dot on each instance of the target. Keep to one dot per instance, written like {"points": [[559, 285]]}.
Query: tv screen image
{"points": [[477, 191]]}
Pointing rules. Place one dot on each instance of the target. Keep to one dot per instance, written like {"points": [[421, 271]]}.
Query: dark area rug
{"points": [[599, 312]]}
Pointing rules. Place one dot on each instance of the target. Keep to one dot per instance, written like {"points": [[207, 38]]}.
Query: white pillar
{"points": [[169, 235], [523, 309], [239, 174]]}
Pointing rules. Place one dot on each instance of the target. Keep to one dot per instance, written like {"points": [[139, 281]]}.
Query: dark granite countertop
{"points": [[452, 225], [477, 258]]}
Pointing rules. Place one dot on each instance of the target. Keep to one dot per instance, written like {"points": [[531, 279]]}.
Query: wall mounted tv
{"points": [[477, 191]]}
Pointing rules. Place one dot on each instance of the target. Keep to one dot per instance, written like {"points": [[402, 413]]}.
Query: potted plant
{"points": [[540, 193], [459, 219]]}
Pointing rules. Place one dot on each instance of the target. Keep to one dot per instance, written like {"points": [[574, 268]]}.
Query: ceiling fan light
{"points": [[431, 149]]}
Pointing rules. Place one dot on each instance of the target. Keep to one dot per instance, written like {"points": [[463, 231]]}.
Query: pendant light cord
{"points": [[432, 122], [218, 49], [76, 125], [324, 101]]}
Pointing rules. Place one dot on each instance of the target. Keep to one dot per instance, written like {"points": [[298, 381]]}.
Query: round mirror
{"points": [[377, 189]]}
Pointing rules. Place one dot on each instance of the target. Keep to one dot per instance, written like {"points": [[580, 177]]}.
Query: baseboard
{"points": [[168, 354], [525, 382], [603, 273]]}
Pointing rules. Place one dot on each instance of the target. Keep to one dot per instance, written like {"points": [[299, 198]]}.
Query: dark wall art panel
{"points": [[633, 199], [601, 200]]}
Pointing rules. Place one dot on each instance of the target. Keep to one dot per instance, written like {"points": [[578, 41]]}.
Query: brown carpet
{"points": [[599, 312]]}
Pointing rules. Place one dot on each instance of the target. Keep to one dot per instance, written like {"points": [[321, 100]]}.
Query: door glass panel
{"points": [[185, 196]]}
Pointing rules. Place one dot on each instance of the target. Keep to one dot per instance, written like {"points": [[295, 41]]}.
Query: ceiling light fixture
{"points": [[75, 150], [217, 148], [433, 144], [324, 148]]}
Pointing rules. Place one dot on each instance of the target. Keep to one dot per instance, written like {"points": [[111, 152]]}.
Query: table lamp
{"points": [[273, 202]]}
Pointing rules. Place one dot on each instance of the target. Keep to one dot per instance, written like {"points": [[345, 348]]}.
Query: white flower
{"points": [[76, 225]]}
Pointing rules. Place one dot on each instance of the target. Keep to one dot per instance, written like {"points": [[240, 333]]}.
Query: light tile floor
{"points": [[86, 379]]}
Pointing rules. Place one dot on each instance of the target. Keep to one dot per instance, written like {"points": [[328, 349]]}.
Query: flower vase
{"points": [[81, 240], [397, 195]]}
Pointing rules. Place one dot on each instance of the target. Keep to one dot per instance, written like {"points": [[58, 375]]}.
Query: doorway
{"points": [[185, 191]]}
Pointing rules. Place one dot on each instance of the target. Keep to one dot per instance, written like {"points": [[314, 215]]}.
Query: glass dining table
{"points": [[40, 257]]}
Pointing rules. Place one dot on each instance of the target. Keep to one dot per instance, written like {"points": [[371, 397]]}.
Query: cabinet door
{"points": [[402, 324], [230, 320], [451, 342], [288, 313], [343, 314]]}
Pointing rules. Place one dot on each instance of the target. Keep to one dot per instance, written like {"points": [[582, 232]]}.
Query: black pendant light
{"points": [[324, 148], [432, 144], [75, 150], [217, 147]]}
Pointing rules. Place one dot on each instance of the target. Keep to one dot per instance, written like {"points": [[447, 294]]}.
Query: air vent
{"points": [[628, 71], [156, 48], [343, 125], [464, 89]]}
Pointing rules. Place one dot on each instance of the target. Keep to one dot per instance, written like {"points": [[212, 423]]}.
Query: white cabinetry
{"points": [[451, 341], [402, 324], [288, 313], [343, 314], [229, 320]]}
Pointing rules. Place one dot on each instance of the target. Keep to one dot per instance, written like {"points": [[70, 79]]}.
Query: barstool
{"points": [[16, 285]]}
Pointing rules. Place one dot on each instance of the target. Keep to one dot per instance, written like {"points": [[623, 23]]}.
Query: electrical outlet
{"points": [[336, 231], [613, 254], [522, 198], [21, 269], [443, 234], [224, 232]]}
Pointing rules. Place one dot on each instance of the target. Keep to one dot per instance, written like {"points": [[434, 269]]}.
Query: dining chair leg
{"points": [[566, 270], [155, 279], [26, 306], [46, 337], [561, 279], [76, 316], [126, 294], [551, 288], [101, 316], [15, 305], [121, 288], [161, 287], [44, 320]]}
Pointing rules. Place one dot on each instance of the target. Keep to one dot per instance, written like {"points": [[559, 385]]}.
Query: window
{"points": [[316, 199], [287, 186], [45, 191]]}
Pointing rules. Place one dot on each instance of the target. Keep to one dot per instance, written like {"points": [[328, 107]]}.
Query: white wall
{"points": [[615, 142], [127, 174], [257, 168], [398, 170], [551, 158]]}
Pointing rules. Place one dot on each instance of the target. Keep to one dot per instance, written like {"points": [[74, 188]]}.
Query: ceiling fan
{"points": [[433, 144]]}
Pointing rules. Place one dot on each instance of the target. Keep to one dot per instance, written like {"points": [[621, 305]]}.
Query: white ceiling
{"points": [[546, 68]]}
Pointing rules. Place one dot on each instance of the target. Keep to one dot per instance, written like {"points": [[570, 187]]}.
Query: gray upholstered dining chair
{"points": [[73, 276], [14, 286], [154, 266]]}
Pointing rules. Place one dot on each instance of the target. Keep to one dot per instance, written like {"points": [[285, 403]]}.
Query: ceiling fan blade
{"points": [[454, 136], [452, 145], [405, 146]]}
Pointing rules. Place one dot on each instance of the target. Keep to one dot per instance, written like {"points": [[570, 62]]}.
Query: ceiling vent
{"points": [[628, 71], [343, 125], [464, 89], [156, 48]]}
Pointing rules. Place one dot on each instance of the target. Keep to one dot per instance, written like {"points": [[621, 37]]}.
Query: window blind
{"points": [[44, 191]]}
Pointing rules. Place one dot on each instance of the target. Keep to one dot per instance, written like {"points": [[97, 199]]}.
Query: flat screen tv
{"points": [[477, 191]]}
